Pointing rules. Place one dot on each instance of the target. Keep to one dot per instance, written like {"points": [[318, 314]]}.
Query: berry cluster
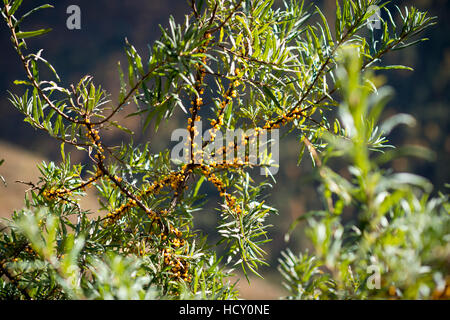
{"points": [[228, 96], [230, 200], [295, 113], [93, 135], [53, 194], [179, 267]]}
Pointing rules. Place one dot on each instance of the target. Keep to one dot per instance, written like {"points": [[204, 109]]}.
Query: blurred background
{"points": [[98, 46]]}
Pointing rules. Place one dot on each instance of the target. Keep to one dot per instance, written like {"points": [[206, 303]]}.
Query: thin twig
{"points": [[227, 18], [129, 94]]}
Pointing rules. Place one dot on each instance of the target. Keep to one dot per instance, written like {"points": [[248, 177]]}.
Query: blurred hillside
{"points": [[19, 165], [96, 48]]}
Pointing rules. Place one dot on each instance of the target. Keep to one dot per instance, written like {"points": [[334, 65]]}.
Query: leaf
{"points": [[402, 118], [14, 7], [118, 126], [227, 113], [63, 155], [301, 153], [35, 106], [123, 86], [30, 34], [271, 96], [221, 35], [405, 178], [45, 6], [399, 47], [406, 151], [19, 82], [91, 98], [325, 24], [338, 21], [301, 218], [198, 185], [393, 67], [38, 57], [1, 177]]}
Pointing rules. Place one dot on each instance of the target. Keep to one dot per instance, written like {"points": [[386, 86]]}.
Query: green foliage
{"points": [[255, 67], [399, 232]]}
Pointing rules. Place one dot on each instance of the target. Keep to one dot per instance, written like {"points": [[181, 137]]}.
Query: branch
{"points": [[129, 94], [30, 76], [211, 31]]}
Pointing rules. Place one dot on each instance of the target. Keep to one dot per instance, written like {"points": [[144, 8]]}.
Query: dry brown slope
{"points": [[21, 165]]}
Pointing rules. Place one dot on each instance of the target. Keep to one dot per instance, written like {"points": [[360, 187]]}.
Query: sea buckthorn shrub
{"points": [[236, 64]]}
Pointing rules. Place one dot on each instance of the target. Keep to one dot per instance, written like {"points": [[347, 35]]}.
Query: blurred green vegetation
{"points": [[397, 244]]}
